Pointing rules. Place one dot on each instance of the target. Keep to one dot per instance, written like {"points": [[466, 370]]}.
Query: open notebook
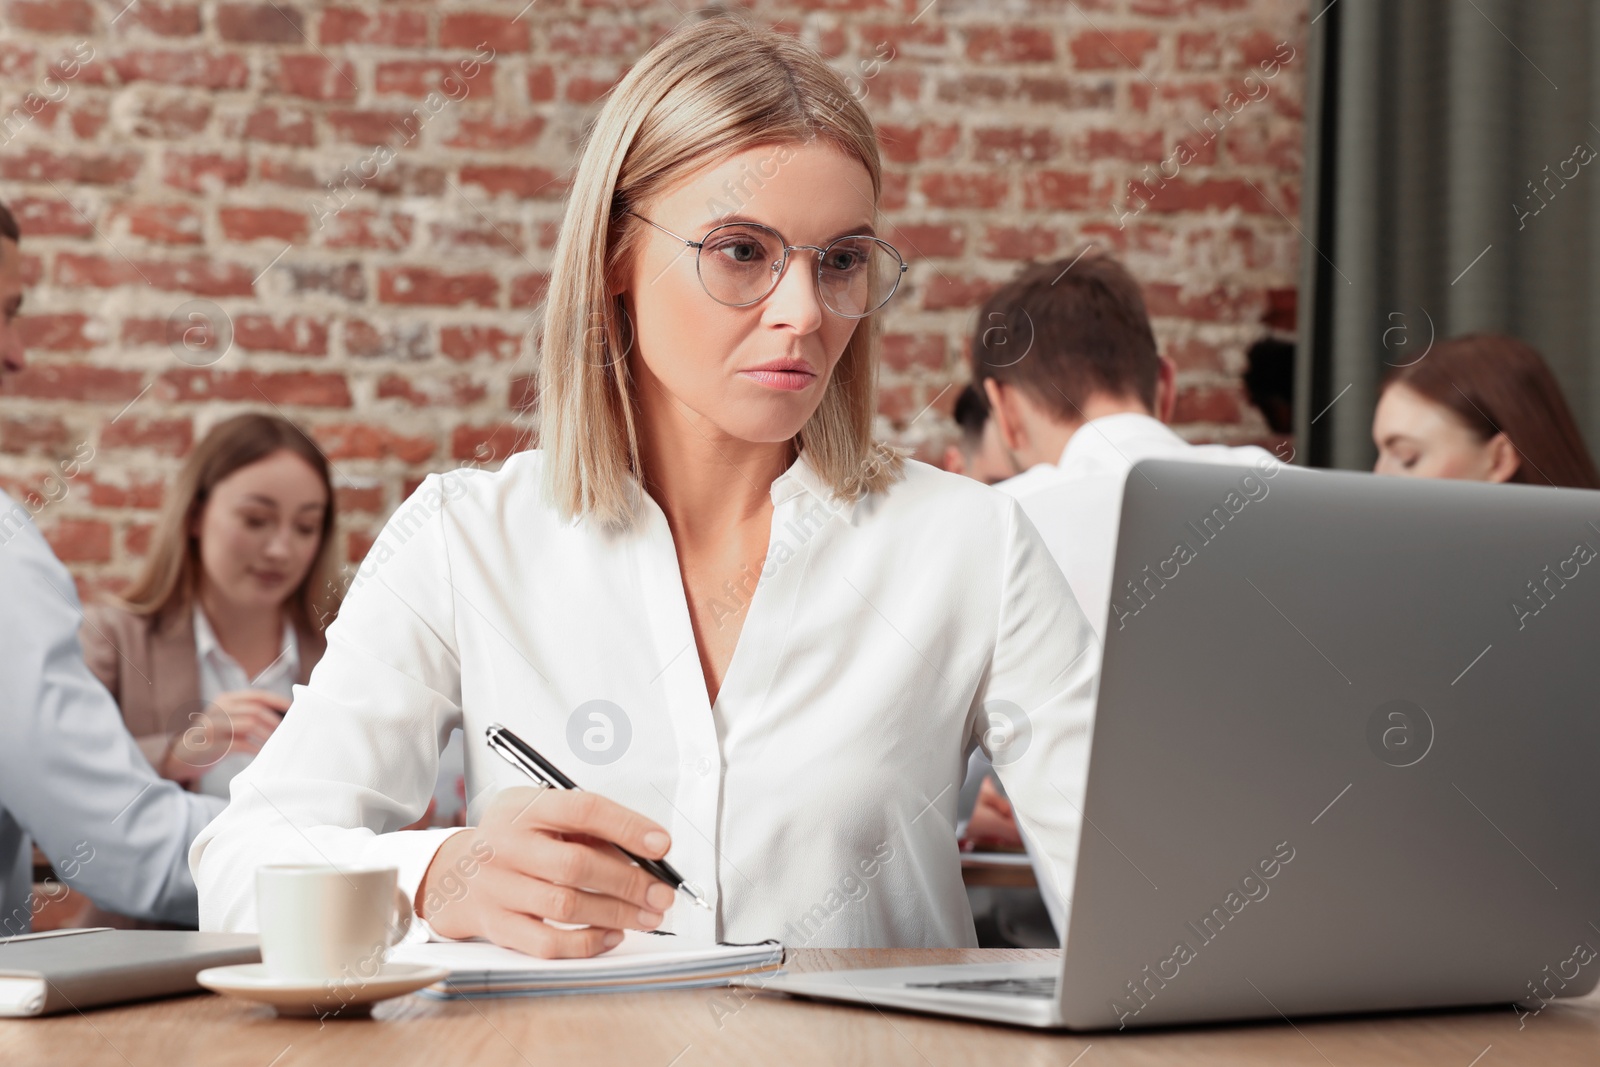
{"points": [[643, 961]]}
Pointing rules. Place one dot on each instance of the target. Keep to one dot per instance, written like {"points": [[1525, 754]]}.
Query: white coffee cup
{"points": [[324, 924]]}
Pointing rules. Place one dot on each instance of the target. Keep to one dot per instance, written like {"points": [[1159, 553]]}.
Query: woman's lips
{"points": [[788, 377]]}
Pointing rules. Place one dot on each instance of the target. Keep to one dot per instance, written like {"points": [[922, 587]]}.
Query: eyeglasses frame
{"points": [[784, 264]]}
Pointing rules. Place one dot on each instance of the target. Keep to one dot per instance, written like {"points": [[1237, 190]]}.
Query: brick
{"points": [[144, 494], [1146, 146], [922, 240], [1207, 404], [49, 217], [524, 183], [367, 126], [1051, 190], [416, 78], [1018, 242], [346, 281], [1014, 44], [51, 16], [588, 40], [397, 29], [1007, 145], [464, 343], [366, 498], [204, 172], [299, 335], [315, 78], [943, 293], [1183, 195], [272, 23], [983, 189], [69, 332], [173, 224], [80, 540], [88, 117], [201, 70], [455, 391], [280, 125], [170, 118], [424, 285], [258, 223], [163, 20], [923, 142], [172, 437], [304, 388], [496, 131], [914, 351], [23, 434], [78, 168], [74, 381], [386, 231], [470, 30], [541, 83], [1119, 49], [389, 341], [364, 441]]}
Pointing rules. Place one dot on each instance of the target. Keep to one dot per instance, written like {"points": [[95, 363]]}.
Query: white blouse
{"points": [[814, 802]]}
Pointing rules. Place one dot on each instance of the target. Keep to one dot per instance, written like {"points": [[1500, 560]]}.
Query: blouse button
{"points": [[704, 766]]}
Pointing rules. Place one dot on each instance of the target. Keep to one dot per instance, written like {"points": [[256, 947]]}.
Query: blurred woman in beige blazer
{"points": [[203, 650]]}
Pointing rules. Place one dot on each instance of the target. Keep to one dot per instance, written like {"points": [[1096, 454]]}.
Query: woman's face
{"points": [[753, 373], [260, 530], [1419, 438]]}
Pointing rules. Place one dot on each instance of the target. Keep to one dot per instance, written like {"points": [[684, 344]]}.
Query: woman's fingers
{"points": [[537, 938], [574, 811], [588, 866], [569, 904]]}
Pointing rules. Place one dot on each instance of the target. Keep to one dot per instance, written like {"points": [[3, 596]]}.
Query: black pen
{"points": [[517, 752]]}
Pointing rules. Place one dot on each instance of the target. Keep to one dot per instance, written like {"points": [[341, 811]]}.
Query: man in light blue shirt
{"points": [[72, 779]]}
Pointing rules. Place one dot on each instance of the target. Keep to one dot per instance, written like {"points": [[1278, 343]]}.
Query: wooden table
{"points": [[741, 1027]]}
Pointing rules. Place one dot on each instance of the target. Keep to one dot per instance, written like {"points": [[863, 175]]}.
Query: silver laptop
{"points": [[1346, 758]]}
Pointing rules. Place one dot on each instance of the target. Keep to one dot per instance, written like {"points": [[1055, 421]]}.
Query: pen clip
{"points": [[515, 758]]}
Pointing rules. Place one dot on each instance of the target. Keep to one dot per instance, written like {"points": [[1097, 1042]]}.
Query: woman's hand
{"points": [[545, 854], [993, 824], [240, 721]]}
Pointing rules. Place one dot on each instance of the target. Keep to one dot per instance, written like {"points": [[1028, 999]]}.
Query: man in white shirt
{"points": [[72, 779], [1079, 393]]}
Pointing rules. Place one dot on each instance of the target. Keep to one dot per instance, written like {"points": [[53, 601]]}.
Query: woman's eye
{"points": [[255, 522], [844, 261], [307, 531], [742, 252]]}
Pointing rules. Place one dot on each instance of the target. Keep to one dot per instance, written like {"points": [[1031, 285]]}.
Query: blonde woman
{"points": [[761, 642]]}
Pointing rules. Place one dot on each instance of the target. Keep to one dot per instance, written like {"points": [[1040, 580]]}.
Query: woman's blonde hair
{"points": [[170, 578], [702, 94]]}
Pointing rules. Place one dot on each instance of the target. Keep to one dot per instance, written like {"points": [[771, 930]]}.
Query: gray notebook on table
{"points": [[41, 974]]}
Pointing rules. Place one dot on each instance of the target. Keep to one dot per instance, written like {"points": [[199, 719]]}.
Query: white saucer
{"points": [[336, 998]]}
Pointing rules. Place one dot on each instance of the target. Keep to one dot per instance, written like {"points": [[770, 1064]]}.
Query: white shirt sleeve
{"points": [[1034, 712], [71, 776], [357, 754]]}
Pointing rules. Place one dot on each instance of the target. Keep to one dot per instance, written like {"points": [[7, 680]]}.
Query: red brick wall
{"points": [[182, 151]]}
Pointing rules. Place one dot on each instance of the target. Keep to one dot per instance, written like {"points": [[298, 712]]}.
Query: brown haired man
{"points": [[1080, 393]]}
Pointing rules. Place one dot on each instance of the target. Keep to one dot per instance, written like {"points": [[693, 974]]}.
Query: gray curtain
{"points": [[1445, 192]]}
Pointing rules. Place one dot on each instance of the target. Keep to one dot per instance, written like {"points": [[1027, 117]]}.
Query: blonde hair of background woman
{"points": [[702, 94]]}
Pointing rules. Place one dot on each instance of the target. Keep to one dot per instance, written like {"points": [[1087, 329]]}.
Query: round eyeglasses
{"points": [[739, 263]]}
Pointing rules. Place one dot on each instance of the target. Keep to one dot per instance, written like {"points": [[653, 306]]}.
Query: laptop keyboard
{"points": [[1043, 988]]}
